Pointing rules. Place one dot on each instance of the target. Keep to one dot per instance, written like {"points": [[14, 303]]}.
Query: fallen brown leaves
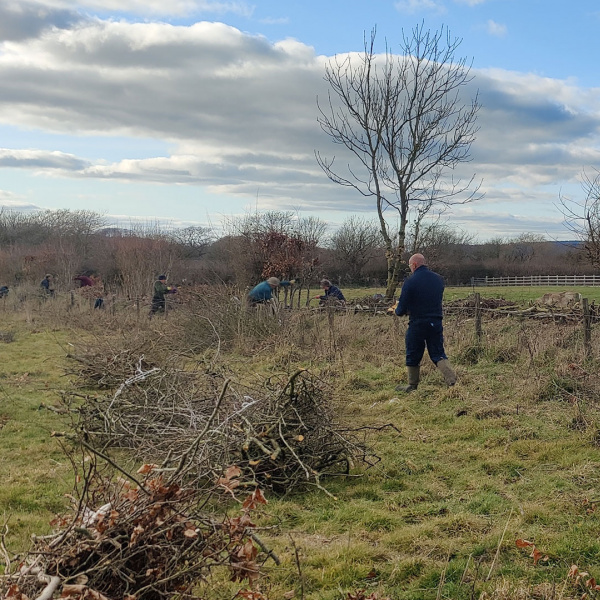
{"points": [[535, 553], [148, 543]]}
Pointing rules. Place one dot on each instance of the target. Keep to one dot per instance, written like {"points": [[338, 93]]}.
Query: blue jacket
{"points": [[263, 291], [421, 296], [333, 292]]}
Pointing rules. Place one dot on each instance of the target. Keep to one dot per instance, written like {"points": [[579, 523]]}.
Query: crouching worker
{"points": [[161, 289], [263, 292], [421, 300], [333, 294]]}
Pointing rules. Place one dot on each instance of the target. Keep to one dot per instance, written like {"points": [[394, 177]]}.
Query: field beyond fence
{"points": [[525, 280]]}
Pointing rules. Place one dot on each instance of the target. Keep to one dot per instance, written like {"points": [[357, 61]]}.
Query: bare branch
{"points": [[404, 122]]}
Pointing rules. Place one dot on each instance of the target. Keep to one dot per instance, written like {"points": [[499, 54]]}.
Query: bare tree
{"points": [[403, 119], [194, 240], [274, 243], [311, 229], [441, 242], [582, 217], [355, 243]]}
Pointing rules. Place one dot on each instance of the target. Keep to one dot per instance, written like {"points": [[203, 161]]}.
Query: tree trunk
{"points": [[394, 259], [392, 282]]}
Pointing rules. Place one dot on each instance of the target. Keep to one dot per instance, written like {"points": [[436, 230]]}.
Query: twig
{"points": [[3, 546], [298, 567], [199, 437], [462, 579], [53, 583], [111, 462], [499, 544], [290, 383], [265, 548], [140, 376]]}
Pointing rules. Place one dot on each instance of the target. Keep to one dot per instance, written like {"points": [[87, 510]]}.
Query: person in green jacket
{"points": [[161, 289]]}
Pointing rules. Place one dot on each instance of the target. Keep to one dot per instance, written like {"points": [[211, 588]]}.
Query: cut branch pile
{"points": [[484, 303], [375, 303], [150, 541], [283, 435]]}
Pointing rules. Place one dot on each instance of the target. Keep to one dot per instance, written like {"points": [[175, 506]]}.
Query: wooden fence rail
{"points": [[532, 280]]}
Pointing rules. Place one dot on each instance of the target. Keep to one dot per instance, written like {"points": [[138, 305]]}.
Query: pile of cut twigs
{"points": [[484, 303], [282, 435], [134, 539]]}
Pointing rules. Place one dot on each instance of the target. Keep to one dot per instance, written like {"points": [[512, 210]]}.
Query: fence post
{"points": [[587, 327], [478, 316], [137, 307]]}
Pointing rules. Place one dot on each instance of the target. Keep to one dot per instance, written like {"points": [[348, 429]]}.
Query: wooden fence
{"points": [[532, 280], [585, 316]]}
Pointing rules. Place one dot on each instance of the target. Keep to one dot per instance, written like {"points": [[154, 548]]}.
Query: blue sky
{"points": [[190, 111]]}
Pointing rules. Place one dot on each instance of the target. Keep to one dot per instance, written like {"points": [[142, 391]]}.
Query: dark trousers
{"points": [[421, 333], [158, 305]]}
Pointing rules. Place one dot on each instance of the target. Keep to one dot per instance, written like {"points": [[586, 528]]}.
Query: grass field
{"points": [[511, 452], [516, 293]]}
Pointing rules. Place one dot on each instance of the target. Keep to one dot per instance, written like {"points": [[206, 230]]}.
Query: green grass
{"points": [[524, 294], [505, 452], [35, 473]]}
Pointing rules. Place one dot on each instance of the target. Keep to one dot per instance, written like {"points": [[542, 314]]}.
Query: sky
{"points": [[190, 112]]}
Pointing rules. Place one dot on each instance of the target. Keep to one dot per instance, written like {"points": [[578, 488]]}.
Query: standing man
{"points": [[158, 299], [421, 300], [47, 285]]}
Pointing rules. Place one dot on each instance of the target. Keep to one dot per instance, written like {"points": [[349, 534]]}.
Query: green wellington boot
{"points": [[413, 380], [447, 371]]}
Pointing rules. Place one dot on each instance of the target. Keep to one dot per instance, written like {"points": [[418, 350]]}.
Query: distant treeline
{"points": [[68, 243]]}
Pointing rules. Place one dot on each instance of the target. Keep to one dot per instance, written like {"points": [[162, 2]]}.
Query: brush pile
{"points": [[145, 541], [282, 435], [375, 303], [484, 303]]}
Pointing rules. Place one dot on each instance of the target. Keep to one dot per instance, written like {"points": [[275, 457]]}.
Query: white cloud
{"points": [[470, 2], [496, 29], [41, 160], [15, 202], [238, 114], [157, 7], [23, 20], [275, 20], [415, 6]]}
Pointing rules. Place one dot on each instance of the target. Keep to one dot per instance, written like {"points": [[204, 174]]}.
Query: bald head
{"points": [[416, 261]]}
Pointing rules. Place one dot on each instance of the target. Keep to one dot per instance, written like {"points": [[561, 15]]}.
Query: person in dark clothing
{"points": [[161, 289], [333, 294], [47, 285], [4, 291], [84, 281], [421, 300]]}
